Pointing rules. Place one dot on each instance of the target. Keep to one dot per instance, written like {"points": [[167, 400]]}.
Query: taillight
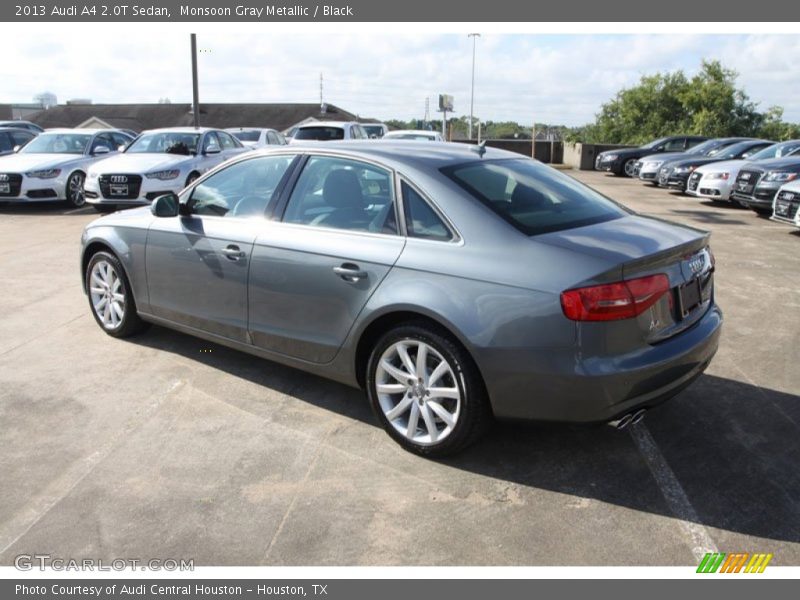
{"points": [[614, 301]]}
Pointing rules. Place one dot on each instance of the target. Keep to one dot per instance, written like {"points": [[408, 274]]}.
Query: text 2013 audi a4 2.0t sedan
{"points": [[453, 283], [157, 162]]}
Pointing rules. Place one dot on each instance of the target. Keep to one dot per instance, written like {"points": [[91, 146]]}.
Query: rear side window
{"points": [[533, 198], [421, 220]]}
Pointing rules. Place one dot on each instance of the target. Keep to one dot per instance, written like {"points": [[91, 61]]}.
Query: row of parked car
{"points": [[762, 175], [112, 168]]}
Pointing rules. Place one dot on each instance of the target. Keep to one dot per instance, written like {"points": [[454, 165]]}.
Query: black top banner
{"points": [[407, 11]]}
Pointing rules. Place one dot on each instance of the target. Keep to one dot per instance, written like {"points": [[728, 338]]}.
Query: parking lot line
{"points": [[677, 500]]}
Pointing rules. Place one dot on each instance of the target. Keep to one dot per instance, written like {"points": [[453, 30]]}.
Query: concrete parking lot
{"points": [[164, 446]]}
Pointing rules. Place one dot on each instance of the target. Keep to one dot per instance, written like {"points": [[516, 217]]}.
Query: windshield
{"points": [[532, 197], [734, 151], [168, 142], [707, 147], [322, 133], [777, 150], [247, 136], [58, 143], [655, 143]]}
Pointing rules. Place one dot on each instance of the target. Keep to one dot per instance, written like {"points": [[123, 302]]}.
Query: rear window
{"points": [[319, 133], [533, 198], [247, 136]]}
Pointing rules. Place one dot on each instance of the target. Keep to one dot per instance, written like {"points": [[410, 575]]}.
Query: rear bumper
{"points": [[599, 389]]}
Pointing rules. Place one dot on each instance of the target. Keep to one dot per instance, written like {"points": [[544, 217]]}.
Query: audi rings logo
{"points": [[696, 264], [3, 177], [119, 179]]}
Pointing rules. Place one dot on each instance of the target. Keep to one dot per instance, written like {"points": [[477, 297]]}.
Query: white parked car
{"points": [[53, 165], [326, 131], [715, 180], [786, 206], [257, 137], [159, 161], [420, 135]]}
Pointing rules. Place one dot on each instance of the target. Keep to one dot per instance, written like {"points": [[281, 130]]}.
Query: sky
{"points": [[558, 79]]}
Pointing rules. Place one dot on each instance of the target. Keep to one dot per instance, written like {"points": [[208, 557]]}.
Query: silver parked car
{"points": [[454, 283]]}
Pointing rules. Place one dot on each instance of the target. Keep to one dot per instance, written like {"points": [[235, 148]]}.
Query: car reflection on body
{"points": [[454, 283]]}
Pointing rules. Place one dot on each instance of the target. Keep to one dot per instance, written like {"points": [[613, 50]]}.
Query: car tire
{"points": [[628, 167], [74, 190], [110, 296], [193, 176], [425, 418]]}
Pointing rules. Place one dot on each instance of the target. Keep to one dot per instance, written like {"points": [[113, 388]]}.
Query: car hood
{"points": [[692, 162], [141, 163], [626, 239], [19, 163], [722, 166]]}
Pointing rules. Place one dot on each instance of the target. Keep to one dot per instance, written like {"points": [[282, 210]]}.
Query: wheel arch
{"points": [[379, 324]]}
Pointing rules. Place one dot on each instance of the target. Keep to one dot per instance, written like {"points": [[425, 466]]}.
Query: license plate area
{"points": [[5, 188], [690, 296], [118, 190]]}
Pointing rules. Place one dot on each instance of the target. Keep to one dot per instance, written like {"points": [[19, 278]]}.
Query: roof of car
{"points": [[73, 130], [416, 131], [418, 154], [233, 129], [328, 124], [182, 130]]}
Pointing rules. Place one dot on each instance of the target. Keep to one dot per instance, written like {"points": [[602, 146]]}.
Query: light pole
{"points": [[472, 95], [195, 94]]}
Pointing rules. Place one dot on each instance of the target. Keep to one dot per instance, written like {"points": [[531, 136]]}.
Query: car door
{"points": [[197, 263], [312, 272]]}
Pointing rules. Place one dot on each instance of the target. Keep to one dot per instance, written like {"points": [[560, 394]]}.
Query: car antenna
{"points": [[480, 149]]}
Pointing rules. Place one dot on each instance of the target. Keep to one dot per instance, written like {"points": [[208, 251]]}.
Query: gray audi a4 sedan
{"points": [[454, 283]]}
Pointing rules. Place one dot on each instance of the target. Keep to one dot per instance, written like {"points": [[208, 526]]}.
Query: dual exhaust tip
{"points": [[629, 419]]}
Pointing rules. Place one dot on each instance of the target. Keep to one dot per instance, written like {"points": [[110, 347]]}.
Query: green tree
{"points": [[709, 103]]}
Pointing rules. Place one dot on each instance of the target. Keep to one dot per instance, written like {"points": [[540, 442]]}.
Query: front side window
{"points": [[674, 145], [211, 143], [248, 135], [272, 139], [532, 197], [5, 142], [343, 194], [245, 189], [226, 141]]}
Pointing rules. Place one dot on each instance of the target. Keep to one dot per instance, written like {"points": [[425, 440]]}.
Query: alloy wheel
{"points": [[107, 294], [630, 166], [75, 190], [417, 391]]}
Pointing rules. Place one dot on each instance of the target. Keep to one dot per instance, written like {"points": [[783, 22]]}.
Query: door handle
{"points": [[350, 272], [233, 252]]}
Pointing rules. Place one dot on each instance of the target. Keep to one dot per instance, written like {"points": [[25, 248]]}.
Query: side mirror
{"points": [[101, 150], [17, 148], [167, 205], [212, 150], [121, 148]]}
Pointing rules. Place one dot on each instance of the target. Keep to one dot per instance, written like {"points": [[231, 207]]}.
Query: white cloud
{"points": [[559, 79]]}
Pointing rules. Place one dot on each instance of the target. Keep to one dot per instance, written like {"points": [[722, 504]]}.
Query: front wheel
{"points": [[110, 297], [426, 392], [75, 195], [630, 167]]}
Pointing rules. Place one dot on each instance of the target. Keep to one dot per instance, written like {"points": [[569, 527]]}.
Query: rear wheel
{"points": [[426, 391], [110, 296]]}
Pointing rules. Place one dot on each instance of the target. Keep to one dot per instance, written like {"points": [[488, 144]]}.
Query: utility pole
{"points": [[427, 118], [474, 37], [321, 102], [195, 93]]}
